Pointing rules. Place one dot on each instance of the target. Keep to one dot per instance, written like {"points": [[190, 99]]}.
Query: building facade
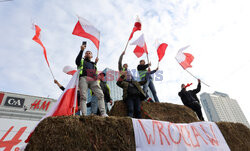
{"points": [[19, 114], [220, 107]]}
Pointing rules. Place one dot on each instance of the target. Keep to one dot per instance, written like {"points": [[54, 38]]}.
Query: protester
{"points": [[87, 79], [146, 74], [190, 99], [132, 94], [106, 92], [150, 85]]}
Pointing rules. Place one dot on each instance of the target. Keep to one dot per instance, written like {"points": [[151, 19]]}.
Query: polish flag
{"points": [[67, 102], [69, 70], [161, 50], [141, 46], [184, 59], [36, 38], [85, 29], [137, 27]]}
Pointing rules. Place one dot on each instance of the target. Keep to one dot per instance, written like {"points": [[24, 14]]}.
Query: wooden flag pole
{"points": [[197, 78]]}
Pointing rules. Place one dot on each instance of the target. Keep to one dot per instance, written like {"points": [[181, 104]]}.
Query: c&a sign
{"points": [[14, 102]]}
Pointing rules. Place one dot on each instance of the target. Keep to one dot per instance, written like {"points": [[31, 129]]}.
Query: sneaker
{"points": [[105, 115]]}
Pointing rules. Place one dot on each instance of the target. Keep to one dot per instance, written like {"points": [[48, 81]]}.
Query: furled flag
{"points": [[36, 38], [137, 27], [184, 59], [85, 29], [161, 50], [188, 85], [141, 46], [67, 102], [69, 70]]}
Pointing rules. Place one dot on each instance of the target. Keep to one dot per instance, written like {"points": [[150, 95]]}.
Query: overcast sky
{"points": [[218, 32]]}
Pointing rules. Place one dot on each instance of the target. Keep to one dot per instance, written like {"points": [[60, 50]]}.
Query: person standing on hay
{"points": [[190, 99], [146, 75], [88, 79], [106, 91], [132, 94]]}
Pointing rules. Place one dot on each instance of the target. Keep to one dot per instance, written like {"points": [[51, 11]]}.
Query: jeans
{"points": [[151, 86], [94, 105], [84, 83], [134, 106], [196, 107]]}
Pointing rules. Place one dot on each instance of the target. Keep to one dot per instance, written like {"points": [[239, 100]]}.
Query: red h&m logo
{"points": [[36, 105], [9, 144]]}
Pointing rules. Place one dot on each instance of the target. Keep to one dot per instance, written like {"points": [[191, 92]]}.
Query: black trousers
{"points": [[196, 107], [134, 106]]}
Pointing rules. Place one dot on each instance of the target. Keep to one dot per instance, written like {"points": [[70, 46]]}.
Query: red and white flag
{"points": [[141, 46], [36, 38], [67, 102], [85, 29], [161, 50], [69, 70], [137, 27], [184, 59]]}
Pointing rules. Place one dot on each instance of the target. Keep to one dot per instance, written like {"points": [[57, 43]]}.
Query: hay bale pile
{"points": [[85, 133], [159, 111], [236, 135]]}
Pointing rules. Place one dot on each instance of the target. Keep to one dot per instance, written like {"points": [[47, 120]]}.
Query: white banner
{"points": [[158, 135]]}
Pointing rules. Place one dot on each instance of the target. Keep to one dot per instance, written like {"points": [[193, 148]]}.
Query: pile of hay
{"points": [[158, 111], [94, 133], [83, 133]]}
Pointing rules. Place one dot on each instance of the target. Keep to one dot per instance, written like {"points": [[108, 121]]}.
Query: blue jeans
{"points": [[134, 106], [94, 105], [151, 86]]}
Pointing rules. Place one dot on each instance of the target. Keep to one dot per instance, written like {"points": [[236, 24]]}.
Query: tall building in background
{"points": [[220, 107]]}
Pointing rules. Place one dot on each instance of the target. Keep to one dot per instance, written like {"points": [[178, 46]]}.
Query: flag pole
{"points": [[51, 73], [197, 78], [147, 58], [126, 46], [158, 63], [74, 111]]}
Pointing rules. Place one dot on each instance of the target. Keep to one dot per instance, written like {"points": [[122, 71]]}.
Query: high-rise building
{"points": [[220, 107]]}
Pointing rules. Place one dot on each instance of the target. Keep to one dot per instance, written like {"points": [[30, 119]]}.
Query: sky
{"points": [[217, 32]]}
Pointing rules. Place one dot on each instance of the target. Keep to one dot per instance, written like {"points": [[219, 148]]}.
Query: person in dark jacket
{"points": [[145, 74], [88, 79], [132, 94], [190, 99], [106, 92]]}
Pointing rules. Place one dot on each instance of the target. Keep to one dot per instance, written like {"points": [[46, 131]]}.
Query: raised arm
{"points": [[79, 56], [197, 90], [120, 61]]}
